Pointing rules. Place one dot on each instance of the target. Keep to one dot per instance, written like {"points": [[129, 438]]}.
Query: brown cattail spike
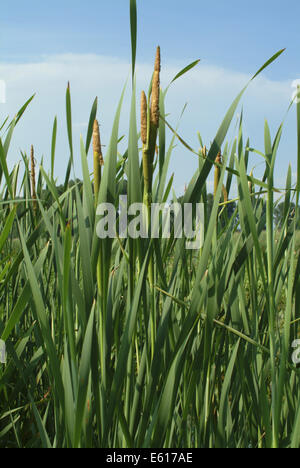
{"points": [[152, 130], [144, 118], [217, 172], [33, 192], [98, 159], [157, 64], [219, 158], [154, 114], [97, 142]]}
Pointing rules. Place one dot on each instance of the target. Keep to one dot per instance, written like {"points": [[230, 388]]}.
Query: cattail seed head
{"points": [[157, 64], [154, 114], [98, 159], [97, 142], [219, 158], [152, 128], [217, 172], [144, 118], [96, 137]]}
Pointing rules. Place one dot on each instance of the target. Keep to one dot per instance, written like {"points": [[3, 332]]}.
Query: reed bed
{"points": [[141, 342]]}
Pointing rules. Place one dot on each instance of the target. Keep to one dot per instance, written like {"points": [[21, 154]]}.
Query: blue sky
{"points": [[234, 34], [45, 44]]}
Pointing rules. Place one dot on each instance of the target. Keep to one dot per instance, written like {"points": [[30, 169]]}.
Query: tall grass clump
{"points": [[122, 342]]}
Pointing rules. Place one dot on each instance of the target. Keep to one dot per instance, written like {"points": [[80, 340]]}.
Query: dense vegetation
{"points": [[141, 342]]}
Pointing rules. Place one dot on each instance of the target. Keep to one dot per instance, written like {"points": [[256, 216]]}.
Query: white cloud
{"points": [[208, 90]]}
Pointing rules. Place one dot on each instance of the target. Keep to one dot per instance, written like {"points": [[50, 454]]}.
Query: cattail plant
{"points": [[149, 130]]}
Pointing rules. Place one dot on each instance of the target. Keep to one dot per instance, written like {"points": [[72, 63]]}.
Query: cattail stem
{"points": [[33, 183]]}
